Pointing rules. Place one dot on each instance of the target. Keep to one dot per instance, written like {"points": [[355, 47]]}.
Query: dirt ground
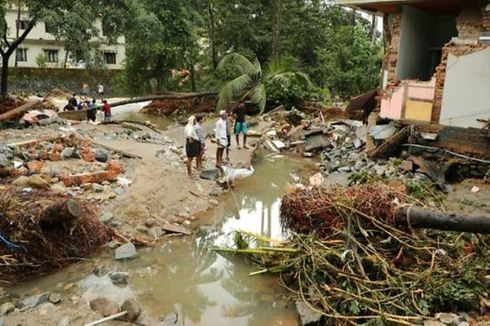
{"points": [[160, 191]]}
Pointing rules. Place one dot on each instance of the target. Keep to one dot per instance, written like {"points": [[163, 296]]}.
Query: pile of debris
{"points": [[65, 163], [357, 256], [42, 230]]}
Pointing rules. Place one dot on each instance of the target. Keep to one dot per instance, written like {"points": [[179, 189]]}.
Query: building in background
{"points": [[42, 49], [436, 67]]}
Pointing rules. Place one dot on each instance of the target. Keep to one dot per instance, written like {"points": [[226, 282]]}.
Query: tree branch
{"points": [[5, 39], [22, 37]]}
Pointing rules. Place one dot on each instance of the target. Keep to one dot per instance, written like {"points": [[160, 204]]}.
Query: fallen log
{"points": [[21, 109], [169, 96], [60, 213], [425, 218]]}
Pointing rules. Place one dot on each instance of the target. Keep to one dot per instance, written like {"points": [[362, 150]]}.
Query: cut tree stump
{"points": [[61, 212], [421, 217]]}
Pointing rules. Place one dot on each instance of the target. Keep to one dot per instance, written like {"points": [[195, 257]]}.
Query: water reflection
{"points": [[204, 288]]}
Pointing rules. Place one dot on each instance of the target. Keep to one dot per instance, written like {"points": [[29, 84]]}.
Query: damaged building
{"points": [[436, 67], [433, 105]]}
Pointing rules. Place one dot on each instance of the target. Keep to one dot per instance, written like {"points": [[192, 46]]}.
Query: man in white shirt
{"points": [[221, 134], [100, 90]]}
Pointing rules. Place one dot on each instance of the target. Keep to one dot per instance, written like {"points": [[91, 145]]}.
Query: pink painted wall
{"points": [[422, 90], [392, 108]]}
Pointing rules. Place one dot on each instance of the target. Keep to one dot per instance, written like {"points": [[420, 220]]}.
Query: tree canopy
{"points": [[332, 45]]}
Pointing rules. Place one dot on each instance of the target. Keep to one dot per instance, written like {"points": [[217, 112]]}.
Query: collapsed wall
{"points": [[405, 99]]}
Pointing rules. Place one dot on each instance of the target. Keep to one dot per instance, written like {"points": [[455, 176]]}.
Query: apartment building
{"points": [[42, 49]]}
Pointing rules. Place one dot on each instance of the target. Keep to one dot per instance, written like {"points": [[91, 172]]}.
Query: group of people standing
{"points": [[230, 122], [90, 105]]}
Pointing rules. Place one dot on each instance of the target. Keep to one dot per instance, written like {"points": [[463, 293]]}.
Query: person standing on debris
{"points": [[192, 143], [85, 90], [241, 126], [220, 132], [106, 108], [100, 91], [229, 132], [202, 141], [92, 111]]}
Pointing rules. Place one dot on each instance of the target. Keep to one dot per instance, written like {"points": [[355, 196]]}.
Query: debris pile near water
{"points": [[321, 211], [351, 264], [35, 241]]}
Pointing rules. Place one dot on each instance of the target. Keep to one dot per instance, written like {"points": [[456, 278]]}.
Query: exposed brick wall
{"points": [[391, 57], [486, 18], [468, 141], [457, 50], [469, 24]]}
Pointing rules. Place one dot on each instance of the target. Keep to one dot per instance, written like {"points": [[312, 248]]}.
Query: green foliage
{"points": [[280, 82], [161, 38], [42, 60], [351, 64]]}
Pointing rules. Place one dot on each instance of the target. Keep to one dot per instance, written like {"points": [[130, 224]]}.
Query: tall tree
{"points": [[276, 30], [161, 38]]}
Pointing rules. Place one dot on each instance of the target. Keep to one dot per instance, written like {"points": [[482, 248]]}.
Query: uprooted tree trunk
{"points": [[420, 217], [61, 212], [9, 115], [169, 96]]}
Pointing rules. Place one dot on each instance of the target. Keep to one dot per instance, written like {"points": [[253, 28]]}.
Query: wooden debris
{"points": [[391, 146], [421, 217]]}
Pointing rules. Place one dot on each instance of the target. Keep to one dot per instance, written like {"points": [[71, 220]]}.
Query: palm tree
{"points": [[251, 80]]}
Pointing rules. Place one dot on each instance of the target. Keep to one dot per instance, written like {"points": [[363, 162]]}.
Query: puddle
{"points": [[184, 278], [162, 123]]}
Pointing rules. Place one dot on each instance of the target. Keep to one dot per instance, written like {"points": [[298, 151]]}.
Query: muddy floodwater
{"points": [[182, 281]]}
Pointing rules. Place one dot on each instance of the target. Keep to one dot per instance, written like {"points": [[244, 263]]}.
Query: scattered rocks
{"points": [[101, 155], [213, 202], [126, 251], [54, 298], [133, 309], [119, 278], [433, 323], [155, 232], [6, 308], [307, 316], [106, 218], [448, 318], [21, 181], [150, 222], [97, 187], [104, 306], [36, 181], [68, 153], [33, 301]]}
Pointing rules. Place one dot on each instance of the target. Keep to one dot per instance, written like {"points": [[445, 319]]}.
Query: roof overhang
{"points": [[390, 6]]}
